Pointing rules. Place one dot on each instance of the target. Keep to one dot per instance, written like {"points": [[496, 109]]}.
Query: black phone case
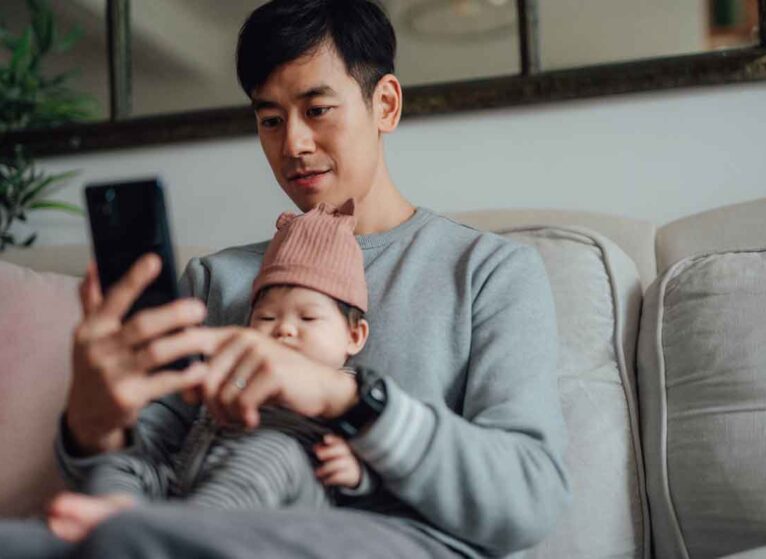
{"points": [[128, 220]]}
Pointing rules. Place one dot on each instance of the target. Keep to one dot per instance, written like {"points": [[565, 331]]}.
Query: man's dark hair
{"points": [[284, 30]]}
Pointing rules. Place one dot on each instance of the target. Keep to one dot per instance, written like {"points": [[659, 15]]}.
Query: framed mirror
{"points": [[164, 71]]}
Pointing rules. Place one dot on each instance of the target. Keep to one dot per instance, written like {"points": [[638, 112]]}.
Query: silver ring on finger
{"points": [[240, 383]]}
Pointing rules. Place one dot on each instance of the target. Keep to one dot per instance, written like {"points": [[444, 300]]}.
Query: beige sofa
{"points": [[665, 408]]}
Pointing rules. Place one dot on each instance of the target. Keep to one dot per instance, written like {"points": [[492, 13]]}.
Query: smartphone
{"points": [[127, 220]]}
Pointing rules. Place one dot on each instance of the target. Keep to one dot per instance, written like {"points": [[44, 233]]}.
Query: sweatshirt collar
{"points": [[401, 231]]}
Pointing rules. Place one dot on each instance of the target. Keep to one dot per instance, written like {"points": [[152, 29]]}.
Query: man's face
{"points": [[319, 136]]}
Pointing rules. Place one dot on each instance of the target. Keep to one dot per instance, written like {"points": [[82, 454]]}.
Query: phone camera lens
{"points": [[109, 195]]}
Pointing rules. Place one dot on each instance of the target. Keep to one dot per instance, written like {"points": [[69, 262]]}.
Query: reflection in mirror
{"points": [[584, 32], [732, 23], [183, 50], [183, 54], [452, 40], [86, 59]]}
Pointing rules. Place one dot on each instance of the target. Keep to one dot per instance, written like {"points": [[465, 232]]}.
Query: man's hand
{"points": [[250, 369], [339, 465], [112, 361], [71, 516]]}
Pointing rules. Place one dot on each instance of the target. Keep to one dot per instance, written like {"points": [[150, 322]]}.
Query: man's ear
{"points": [[358, 337], [387, 103]]}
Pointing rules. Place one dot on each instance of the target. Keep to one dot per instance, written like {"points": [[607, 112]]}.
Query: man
{"points": [[457, 410]]}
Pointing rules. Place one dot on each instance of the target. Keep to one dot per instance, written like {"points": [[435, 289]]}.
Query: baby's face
{"points": [[306, 320]]}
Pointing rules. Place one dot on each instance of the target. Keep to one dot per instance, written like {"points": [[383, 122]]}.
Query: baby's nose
{"points": [[285, 329]]}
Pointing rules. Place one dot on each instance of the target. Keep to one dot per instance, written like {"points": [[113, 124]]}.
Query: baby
{"points": [[311, 295]]}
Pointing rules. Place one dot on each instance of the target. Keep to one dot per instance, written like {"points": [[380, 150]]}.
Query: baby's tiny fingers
{"points": [[329, 452], [330, 468]]}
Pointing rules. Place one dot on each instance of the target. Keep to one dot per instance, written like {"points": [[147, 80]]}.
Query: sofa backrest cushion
{"points": [[702, 382], [634, 236], [37, 315], [73, 259], [735, 227], [597, 294]]}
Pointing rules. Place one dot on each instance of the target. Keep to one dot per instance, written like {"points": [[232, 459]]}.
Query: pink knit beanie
{"points": [[317, 250]]}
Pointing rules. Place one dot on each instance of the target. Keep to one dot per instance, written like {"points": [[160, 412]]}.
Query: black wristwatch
{"points": [[371, 390]]}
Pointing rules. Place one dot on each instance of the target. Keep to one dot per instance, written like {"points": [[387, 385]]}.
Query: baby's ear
{"points": [[285, 219], [358, 338]]}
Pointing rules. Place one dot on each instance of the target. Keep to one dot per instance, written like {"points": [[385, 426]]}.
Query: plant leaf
{"points": [[22, 56], [54, 205], [42, 24], [48, 183], [30, 240], [68, 41]]}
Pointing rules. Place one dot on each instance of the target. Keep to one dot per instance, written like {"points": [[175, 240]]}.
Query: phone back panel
{"points": [[128, 220]]}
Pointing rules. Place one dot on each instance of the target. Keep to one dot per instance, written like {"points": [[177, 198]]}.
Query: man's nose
{"points": [[299, 138]]}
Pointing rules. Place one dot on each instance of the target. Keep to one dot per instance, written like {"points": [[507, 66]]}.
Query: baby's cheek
{"points": [[260, 326], [322, 348]]}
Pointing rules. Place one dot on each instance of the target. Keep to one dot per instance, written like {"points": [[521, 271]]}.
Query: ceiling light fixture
{"points": [[465, 21]]}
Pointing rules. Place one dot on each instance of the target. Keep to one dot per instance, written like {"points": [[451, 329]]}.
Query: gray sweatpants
{"points": [[166, 531]]}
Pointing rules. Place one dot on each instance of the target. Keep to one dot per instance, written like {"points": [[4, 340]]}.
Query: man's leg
{"points": [[30, 539], [169, 531]]}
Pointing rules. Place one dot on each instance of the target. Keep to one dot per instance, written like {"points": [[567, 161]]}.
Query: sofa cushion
{"points": [[702, 379], [597, 294], [729, 228], [634, 236], [37, 315]]}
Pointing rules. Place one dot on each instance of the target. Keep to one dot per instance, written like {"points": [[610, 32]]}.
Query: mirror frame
{"points": [[529, 87]]}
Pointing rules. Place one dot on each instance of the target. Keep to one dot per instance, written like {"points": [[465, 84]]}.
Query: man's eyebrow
{"points": [[317, 91]]}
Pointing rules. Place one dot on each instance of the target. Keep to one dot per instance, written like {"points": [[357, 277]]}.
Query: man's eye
{"points": [[269, 122], [317, 111]]}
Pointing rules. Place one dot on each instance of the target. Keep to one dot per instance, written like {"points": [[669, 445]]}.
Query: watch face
{"points": [[378, 391]]}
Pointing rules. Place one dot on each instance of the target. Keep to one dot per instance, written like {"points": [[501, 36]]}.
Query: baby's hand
{"points": [[339, 465]]}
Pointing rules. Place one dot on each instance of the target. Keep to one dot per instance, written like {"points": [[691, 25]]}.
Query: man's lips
{"points": [[307, 178], [305, 174]]}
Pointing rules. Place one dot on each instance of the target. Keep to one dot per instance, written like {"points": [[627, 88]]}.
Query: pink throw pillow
{"points": [[38, 312]]}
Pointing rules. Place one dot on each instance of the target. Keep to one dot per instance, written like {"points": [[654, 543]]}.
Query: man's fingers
{"points": [[151, 323], [229, 354], [192, 396], [240, 376], [162, 383], [90, 290], [162, 351], [124, 293]]}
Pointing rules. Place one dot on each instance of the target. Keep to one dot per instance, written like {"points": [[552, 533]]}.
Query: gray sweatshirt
{"points": [[470, 446]]}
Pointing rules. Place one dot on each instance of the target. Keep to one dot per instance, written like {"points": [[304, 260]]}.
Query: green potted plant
{"points": [[29, 99]]}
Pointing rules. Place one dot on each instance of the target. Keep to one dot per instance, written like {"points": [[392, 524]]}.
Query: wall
{"points": [[656, 156]]}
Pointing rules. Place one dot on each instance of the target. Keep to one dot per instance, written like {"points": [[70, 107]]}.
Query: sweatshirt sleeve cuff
{"points": [[399, 438], [366, 485], [68, 459]]}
